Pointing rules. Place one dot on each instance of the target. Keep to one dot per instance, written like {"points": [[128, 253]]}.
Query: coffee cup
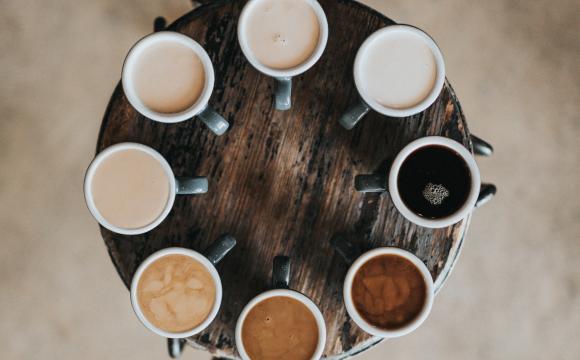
{"points": [[388, 292], [398, 71], [293, 324], [282, 39], [177, 292], [169, 77], [130, 188], [433, 182]]}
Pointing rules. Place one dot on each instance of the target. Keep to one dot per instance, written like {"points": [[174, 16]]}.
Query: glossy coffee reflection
{"points": [[389, 291], [176, 293], [280, 328]]}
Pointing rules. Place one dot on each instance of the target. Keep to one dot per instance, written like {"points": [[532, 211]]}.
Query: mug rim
{"points": [[306, 301], [469, 203], [365, 325], [88, 181], [435, 90], [293, 71], [128, 85], [176, 251]]}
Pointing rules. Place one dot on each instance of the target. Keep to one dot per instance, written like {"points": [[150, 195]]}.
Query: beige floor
{"points": [[515, 293]]}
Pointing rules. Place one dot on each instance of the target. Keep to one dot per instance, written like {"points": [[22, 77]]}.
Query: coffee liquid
{"points": [[434, 182], [130, 189], [388, 291], [176, 293], [398, 70], [282, 33], [169, 77], [280, 328]]}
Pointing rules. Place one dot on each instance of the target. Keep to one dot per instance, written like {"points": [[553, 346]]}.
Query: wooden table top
{"points": [[282, 182]]}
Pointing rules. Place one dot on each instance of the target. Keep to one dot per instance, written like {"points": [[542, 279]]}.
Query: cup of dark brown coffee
{"points": [[433, 182], [177, 292], [388, 292], [280, 323]]}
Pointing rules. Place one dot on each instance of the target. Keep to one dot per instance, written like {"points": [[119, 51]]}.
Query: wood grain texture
{"points": [[282, 182]]}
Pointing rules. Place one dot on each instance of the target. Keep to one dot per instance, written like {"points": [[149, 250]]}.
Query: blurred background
{"points": [[515, 292]]}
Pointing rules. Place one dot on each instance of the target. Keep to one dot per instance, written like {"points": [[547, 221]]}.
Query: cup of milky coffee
{"points": [[282, 39], [433, 182], [280, 324], [130, 188], [398, 71], [177, 292], [388, 292], [168, 77]]}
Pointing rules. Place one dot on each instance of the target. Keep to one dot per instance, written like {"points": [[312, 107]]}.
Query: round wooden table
{"points": [[281, 182]]}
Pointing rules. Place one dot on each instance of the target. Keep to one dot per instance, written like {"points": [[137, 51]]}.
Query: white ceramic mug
{"points": [[280, 280], [181, 186], [283, 76], [365, 325], [212, 256], [200, 108], [355, 113], [384, 182]]}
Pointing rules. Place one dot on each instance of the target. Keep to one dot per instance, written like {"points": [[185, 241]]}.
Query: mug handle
{"points": [[481, 147], [354, 114], [371, 183], [281, 272], [348, 251], [175, 347], [487, 191], [214, 121], [191, 185], [283, 94], [216, 251]]}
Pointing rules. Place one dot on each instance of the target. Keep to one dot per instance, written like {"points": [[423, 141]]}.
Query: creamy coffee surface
{"points": [[282, 33], [130, 189], [168, 77], [280, 328], [398, 70], [176, 293]]}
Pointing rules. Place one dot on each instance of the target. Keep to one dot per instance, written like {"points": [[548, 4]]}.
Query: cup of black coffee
{"points": [[434, 182]]}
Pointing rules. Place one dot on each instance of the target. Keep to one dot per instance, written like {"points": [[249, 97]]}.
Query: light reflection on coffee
{"points": [[282, 33], [280, 328], [176, 293], [169, 77]]}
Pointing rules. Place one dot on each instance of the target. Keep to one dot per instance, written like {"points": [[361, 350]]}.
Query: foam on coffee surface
{"points": [[282, 33], [169, 77], [176, 293], [398, 70], [435, 194], [130, 189], [388, 291], [280, 328]]}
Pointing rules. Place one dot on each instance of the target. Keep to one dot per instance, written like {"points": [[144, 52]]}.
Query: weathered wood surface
{"points": [[282, 182]]}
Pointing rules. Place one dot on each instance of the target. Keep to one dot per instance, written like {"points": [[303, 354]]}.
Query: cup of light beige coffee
{"points": [[280, 324], [130, 188], [168, 77], [398, 71], [282, 39], [388, 292], [177, 292]]}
